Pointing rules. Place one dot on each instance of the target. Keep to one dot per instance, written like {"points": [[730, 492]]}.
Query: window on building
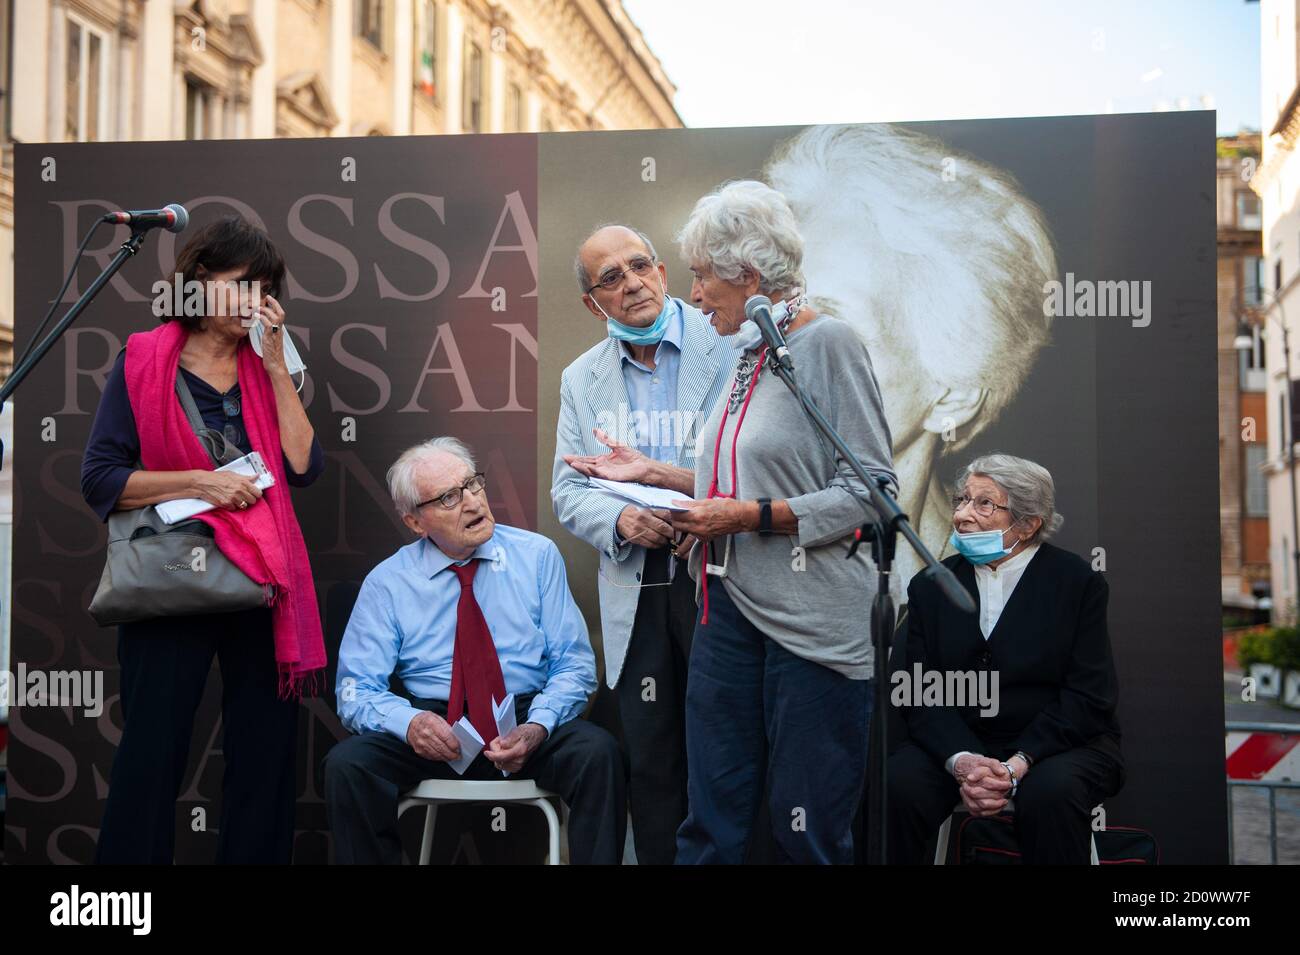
{"points": [[1253, 376], [514, 108], [1252, 280], [368, 18], [1285, 561], [426, 70], [198, 109], [1256, 481], [1277, 273], [86, 82], [1282, 425], [1248, 211], [472, 100], [1288, 404]]}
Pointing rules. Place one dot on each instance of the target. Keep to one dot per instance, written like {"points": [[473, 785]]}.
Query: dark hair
{"points": [[228, 243]]}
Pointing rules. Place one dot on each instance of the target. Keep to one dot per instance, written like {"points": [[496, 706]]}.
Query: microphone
{"points": [[958, 595], [758, 309], [173, 218]]}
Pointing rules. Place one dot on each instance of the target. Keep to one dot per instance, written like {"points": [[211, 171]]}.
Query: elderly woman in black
{"points": [[1048, 739], [143, 451]]}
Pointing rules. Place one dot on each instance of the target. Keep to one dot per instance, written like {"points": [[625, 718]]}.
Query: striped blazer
{"points": [[592, 395]]}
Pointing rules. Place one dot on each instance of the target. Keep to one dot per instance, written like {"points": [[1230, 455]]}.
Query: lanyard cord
{"points": [[735, 476], [722, 426]]}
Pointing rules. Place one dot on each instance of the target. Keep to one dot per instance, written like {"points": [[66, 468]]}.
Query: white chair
{"points": [[434, 792], [941, 847]]}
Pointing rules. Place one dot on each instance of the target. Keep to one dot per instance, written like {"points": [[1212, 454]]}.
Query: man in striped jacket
{"points": [[648, 384]]}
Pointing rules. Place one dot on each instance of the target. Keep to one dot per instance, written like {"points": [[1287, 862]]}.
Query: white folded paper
{"points": [[643, 495], [471, 744], [250, 465], [505, 716]]}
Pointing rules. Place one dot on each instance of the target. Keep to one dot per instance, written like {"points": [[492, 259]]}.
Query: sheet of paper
{"points": [[471, 744], [642, 495], [505, 716], [250, 465]]}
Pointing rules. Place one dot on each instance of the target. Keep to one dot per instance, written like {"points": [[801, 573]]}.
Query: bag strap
{"points": [[203, 432], [187, 402]]}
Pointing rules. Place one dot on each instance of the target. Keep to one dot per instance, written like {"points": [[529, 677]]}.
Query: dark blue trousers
{"points": [[165, 665], [759, 718]]}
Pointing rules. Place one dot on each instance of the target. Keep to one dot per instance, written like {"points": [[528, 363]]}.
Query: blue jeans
{"points": [[759, 716]]}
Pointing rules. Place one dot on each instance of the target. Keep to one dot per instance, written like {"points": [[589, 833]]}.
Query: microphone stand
{"points": [[885, 521], [129, 248]]}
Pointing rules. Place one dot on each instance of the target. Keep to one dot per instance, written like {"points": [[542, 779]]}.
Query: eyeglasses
{"points": [[230, 407], [640, 267], [452, 498], [983, 506]]}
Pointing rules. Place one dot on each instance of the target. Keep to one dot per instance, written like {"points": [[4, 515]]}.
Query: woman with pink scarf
{"points": [[143, 451]]}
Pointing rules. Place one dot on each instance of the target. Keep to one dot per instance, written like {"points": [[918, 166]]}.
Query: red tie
{"points": [[476, 681]]}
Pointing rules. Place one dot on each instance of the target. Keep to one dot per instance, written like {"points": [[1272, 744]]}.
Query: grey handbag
{"points": [[155, 569]]}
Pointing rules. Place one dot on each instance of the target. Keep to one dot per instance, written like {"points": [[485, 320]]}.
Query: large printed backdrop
{"points": [[432, 292]]}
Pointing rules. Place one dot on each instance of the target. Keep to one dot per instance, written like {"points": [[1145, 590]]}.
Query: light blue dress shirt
{"points": [[404, 622], [652, 393]]}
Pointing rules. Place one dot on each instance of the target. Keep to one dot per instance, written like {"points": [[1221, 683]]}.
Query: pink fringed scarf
{"points": [[265, 541]]}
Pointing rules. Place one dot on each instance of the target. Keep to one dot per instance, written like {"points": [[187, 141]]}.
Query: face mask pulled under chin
{"points": [[981, 547], [652, 334]]}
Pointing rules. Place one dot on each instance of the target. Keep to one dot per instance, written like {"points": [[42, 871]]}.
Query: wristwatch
{"points": [[764, 517], [1015, 780]]}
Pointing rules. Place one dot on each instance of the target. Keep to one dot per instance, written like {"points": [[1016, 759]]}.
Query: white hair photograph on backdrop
{"points": [[938, 260]]}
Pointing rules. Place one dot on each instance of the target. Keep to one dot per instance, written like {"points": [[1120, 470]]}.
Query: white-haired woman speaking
{"points": [[1048, 738], [779, 689]]}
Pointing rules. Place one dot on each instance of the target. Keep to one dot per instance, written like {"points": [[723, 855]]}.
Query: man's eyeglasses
{"points": [[612, 279], [983, 506], [452, 498]]}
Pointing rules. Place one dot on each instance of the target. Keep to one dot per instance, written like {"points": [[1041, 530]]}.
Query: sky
{"points": [[779, 62]]}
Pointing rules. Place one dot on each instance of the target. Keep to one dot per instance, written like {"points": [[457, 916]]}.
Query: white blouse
{"points": [[996, 585]]}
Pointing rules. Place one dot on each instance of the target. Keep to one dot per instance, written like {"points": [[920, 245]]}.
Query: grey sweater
{"points": [[799, 590]]}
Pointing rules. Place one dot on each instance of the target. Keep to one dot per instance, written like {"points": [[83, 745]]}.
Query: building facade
{"points": [[96, 70], [1243, 417], [1277, 183]]}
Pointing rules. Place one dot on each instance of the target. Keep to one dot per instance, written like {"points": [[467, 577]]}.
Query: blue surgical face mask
{"points": [[652, 334], [980, 547], [749, 338]]}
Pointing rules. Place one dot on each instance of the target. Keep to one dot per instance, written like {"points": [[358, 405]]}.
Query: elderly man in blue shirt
{"points": [[470, 612]]}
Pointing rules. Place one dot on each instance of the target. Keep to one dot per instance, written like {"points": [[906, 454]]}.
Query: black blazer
{"points": [[1057, 688]]}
